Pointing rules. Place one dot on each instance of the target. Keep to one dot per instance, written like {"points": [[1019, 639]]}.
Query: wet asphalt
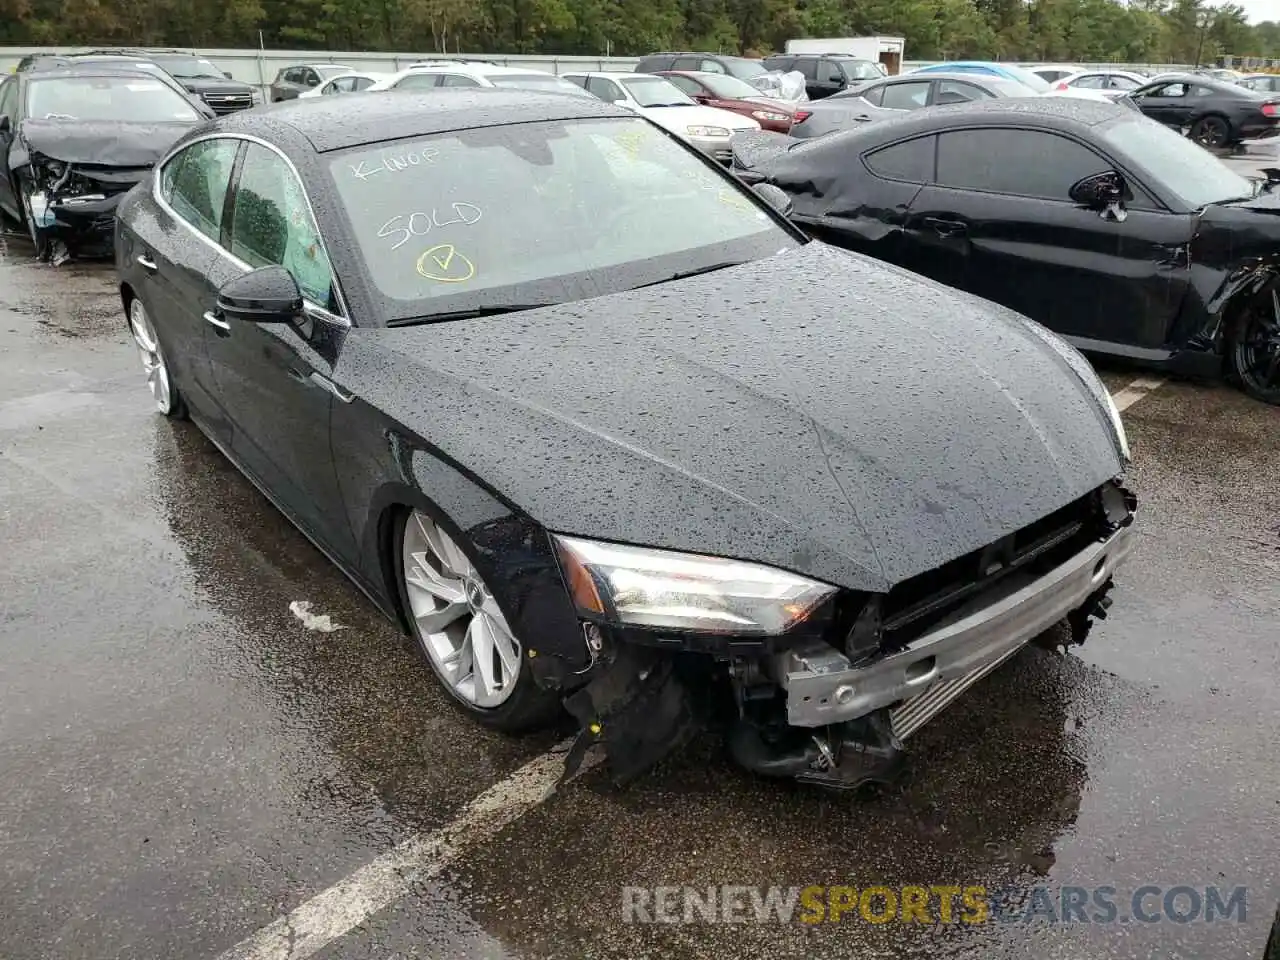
{"points": [[182, 761]]}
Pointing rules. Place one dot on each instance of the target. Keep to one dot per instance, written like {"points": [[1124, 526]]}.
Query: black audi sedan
{"points": [[565, 400], [1109, 229]]}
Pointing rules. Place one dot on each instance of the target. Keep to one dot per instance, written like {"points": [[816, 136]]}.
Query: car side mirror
{"points": [[1100, 190], [775, 197], [227, 74], [266, 295]]}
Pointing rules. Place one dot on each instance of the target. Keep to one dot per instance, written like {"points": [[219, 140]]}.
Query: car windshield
{"points": [[656, 92], [189, 68], [1193, 174], [745, 69], [535, 81], [726, 87], [861, 69], [119, 99], [541, 212]]}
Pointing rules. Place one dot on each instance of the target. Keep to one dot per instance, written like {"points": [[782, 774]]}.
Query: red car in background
{"points": [[737, 96]]}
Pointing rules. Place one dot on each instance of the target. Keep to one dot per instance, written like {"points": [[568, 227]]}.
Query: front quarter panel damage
{"points": [[1234, 255]]}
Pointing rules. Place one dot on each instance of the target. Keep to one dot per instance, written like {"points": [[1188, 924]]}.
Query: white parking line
{"points": [[1133, 392], [348, 903]]}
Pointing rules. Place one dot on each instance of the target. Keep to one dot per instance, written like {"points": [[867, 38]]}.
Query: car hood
{"points": [[859, 429], [677, 119], [105, 144], [203, 85]]}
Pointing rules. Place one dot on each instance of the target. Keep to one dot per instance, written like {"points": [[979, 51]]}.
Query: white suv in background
{"points": [[470, 73], [669, 107]]}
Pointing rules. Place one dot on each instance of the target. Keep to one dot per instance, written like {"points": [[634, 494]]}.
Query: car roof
{"points": [[611, 74], [113, 73], [1058, 112], [329, 123], [940, 75]]}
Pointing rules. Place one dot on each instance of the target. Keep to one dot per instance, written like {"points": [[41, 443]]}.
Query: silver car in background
{"points": [[892, 96]]}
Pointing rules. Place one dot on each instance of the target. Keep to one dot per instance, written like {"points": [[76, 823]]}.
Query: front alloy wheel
{"points": [[163, 392], [1255, 353], [462, 631]]}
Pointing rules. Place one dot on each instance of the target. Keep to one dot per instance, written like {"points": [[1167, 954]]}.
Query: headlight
{"points": [[257, 95], [707, 131], [684, 591], [1121, 438], [768, 115]]}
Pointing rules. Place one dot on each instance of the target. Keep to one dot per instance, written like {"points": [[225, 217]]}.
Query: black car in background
{"points": [[107, 61], [299, 78], [744, 68], [564, 400], [200, 77], [826, 73], [1107, 228], [1214, 113], [73, 142], [891, 96]]}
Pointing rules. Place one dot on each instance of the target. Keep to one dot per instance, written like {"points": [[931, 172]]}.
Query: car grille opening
{"points": [[224, 103], [915, 606]]}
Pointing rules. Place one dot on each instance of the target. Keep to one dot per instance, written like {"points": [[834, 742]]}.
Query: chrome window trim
{"points": [[342, 319]]}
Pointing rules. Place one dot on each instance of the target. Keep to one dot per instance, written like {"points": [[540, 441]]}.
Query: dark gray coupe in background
{"points": [[533, 373]]}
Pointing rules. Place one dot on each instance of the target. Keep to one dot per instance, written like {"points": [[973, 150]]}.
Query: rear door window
{"points": [[957, 91], [829, 72], [419, 81], [711, 66], [911, 160], [686, 63], [910, 95], [1026, 163], [1092, 81], [808, 66], [458, 80], [194, 183]]}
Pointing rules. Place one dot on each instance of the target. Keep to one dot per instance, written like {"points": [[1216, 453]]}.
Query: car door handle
{"points": [[320, 380], [212, 318], [945, 228], [145, 264]]}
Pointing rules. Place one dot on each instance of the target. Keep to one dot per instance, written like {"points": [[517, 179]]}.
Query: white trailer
{"points": [[886, 51]]}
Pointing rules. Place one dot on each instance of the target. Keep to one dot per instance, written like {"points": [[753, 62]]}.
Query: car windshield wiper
{"points": [[709, 268], [471, 313]]}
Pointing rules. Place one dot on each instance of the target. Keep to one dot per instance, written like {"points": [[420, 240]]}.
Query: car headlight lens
{"points": [[769, 115], [645, 587], [707, 131], [1121, 437], [257, 96]]}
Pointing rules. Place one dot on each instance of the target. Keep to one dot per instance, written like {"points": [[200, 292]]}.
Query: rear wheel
{"points": [[463, 633], [1211, 132], [1255, 350]]}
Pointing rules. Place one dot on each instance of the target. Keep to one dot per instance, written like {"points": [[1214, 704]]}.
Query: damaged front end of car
{"points": [[827, 684], [70, 207]]}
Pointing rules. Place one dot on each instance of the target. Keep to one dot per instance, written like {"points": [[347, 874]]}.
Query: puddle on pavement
{"points": [[75, 301]]}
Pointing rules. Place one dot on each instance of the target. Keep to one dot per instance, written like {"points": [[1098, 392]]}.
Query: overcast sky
{"points": [[1259, 10]]}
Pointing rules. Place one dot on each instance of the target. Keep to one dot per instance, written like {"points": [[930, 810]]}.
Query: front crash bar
{"points": [[823, 687]]}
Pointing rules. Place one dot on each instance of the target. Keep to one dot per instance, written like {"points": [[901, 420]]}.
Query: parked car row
{"points": [[570, 404]]}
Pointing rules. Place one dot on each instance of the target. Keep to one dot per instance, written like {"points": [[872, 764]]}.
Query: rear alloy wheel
{"points": [[1255, 352], [463, 633], [167, 399], [1211, 132]]}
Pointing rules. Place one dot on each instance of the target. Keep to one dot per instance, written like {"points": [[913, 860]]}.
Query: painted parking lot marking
{"points": [[1131, 393], [336, 911]]}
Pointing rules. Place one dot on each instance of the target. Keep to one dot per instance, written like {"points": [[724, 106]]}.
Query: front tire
{"points": [[462, 632], [1254, 352], [164, 392], [1213, 133]]}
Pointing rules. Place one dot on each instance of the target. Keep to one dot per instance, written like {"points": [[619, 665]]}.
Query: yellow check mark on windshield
{"points": [[444, 264]]}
